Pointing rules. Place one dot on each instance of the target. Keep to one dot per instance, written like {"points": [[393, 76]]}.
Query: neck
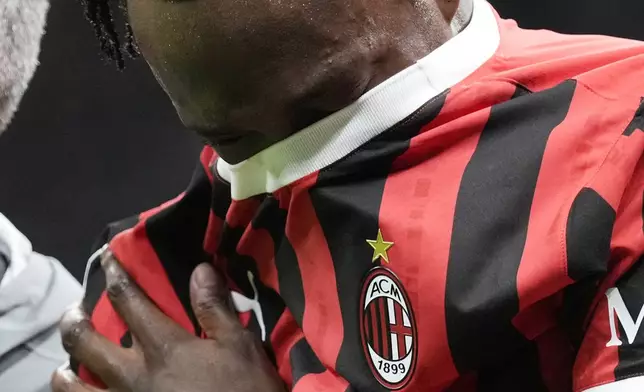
{"points": [[337, 84]]}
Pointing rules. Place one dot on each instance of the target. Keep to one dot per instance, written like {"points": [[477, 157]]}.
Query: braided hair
{"points": [[99, 13]]}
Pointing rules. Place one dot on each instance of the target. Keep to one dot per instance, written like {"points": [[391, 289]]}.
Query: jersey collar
{"points": [[334, 137]]}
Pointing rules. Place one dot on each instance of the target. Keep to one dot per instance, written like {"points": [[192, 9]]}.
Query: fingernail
{"points": [[204, 275], [74, 314], [64, 367], [67, 375], [106, 254]]}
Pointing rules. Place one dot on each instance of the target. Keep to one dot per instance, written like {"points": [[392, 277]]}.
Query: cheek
{"points": [[141, 15], [153, 28]]}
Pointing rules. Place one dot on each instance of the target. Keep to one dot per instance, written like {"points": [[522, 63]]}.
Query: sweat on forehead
{"points": [[22, 25]]}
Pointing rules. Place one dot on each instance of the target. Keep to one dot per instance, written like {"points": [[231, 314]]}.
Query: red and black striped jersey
{"points": [[475, 223]]}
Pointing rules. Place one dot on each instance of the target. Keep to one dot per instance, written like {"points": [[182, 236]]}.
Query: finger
{"points": [[210, 300], [64, 380], [146, 322], [114, 365]]}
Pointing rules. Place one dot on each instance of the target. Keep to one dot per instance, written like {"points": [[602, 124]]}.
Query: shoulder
{"points": [[611, 67]]}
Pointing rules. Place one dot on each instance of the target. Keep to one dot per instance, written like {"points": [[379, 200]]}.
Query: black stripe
{"points": [[517, 373], [237, 268], [638, 121], [273, 219], [304, 361], [177, 235], [347, 199], [631, 356], [490, 228], [588, 233]]}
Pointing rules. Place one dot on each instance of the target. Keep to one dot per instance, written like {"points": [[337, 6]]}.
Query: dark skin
{"points": [[247, 74], [244, 75]]}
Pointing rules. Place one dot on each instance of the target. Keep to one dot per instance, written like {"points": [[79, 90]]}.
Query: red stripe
{"points": [[145, 215], [284, 336], [400, 337], [542, 270], [617, 170], [595, 362], [384, 331], [138, 258], [417, 214], [322, 319], [241, 212], [628, 236], [109, 324], [327, 382], [374, 327]]}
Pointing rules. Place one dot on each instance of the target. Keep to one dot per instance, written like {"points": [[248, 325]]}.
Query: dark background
{"points": [[91, 145]]}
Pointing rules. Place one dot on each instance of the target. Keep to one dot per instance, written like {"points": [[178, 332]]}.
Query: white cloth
{"points": [[34, 293]]}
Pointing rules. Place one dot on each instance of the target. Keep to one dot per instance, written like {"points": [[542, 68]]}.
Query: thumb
{"points": [[210, 299]]}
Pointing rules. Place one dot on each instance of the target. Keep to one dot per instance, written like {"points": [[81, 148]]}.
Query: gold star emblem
{"points": [[380, 247]]}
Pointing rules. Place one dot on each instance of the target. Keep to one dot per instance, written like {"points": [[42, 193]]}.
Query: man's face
{"points": [[210, 54], [245, 74], [21, 27]]}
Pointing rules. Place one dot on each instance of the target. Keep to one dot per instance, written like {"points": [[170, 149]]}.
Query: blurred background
{"points": [[91, 145]]}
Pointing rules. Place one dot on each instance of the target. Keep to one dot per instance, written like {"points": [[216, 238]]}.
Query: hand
{"points": [[165, 357]]}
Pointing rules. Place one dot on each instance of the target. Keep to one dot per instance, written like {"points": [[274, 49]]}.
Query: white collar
{"points": [[334, 137]]}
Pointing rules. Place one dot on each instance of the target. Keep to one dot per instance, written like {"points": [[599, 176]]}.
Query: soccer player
{"points": [[34, 289], [400, 195]]}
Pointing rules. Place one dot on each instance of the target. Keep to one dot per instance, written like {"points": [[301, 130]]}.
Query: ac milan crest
{"points": [[388, 329]]}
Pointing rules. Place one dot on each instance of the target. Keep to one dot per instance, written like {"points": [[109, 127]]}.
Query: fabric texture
{"points": [[22, 24], [35, 291], [489, 240]]}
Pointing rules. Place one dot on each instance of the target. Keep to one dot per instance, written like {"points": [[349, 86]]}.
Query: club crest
{"points": [[388, 329]]}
